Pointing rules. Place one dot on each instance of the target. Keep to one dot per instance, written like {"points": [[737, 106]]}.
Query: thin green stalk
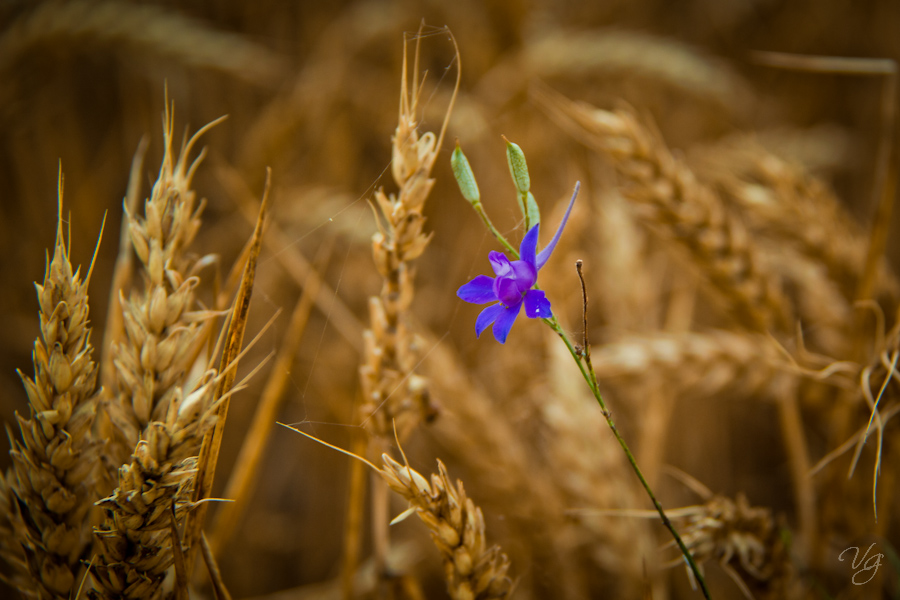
{"points": [[591, 378], [487, 222], [583, 360]]}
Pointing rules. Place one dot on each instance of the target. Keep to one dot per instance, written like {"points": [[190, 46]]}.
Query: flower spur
{"points": [[514, 283]]}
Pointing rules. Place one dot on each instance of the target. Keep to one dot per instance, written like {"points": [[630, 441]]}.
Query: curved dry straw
{"points": [[144, 27], [610, 53]]}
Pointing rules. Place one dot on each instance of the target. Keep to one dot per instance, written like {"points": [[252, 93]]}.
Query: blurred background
{"points": [[311, 89]]}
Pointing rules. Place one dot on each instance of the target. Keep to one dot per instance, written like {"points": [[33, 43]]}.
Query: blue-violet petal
{"points": [[486, 317], [507, 291], [499, 263], [537, 305], [528, 247], [544, 254], [478, 291], [524, 274], [504, 322]]}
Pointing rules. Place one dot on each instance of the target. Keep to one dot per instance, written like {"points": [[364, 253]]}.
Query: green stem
{"points": [[487, 222], [587, 371], [591, 378]]}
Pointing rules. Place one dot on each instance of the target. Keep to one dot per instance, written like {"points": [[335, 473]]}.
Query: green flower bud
{"points": [[465, 178], [517, 167]]}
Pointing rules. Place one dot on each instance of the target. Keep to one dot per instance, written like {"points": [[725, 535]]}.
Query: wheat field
{"points": [[240, 355]]}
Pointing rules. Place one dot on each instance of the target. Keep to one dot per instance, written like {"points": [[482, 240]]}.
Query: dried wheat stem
{"points": [[47, 494], [297, 266], [796, 448], [232, 341], [472, 569], [244, 473], [670, 198]]}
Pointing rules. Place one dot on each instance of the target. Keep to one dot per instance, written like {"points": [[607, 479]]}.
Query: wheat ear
{"points": [[705, 362], [162, 334], [165, 391], [472, 570], [774, 194], [745, 540], [393, 394], [48, 492], [673, 201]]}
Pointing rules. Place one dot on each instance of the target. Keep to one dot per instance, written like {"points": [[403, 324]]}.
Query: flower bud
{"points": [[465, 178], [517, 166]]}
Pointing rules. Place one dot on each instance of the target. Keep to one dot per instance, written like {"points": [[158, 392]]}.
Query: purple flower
{"points": [[513, 285]]}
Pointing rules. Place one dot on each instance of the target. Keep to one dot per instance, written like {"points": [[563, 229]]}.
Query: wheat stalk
{"points": [[48, 493]]}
